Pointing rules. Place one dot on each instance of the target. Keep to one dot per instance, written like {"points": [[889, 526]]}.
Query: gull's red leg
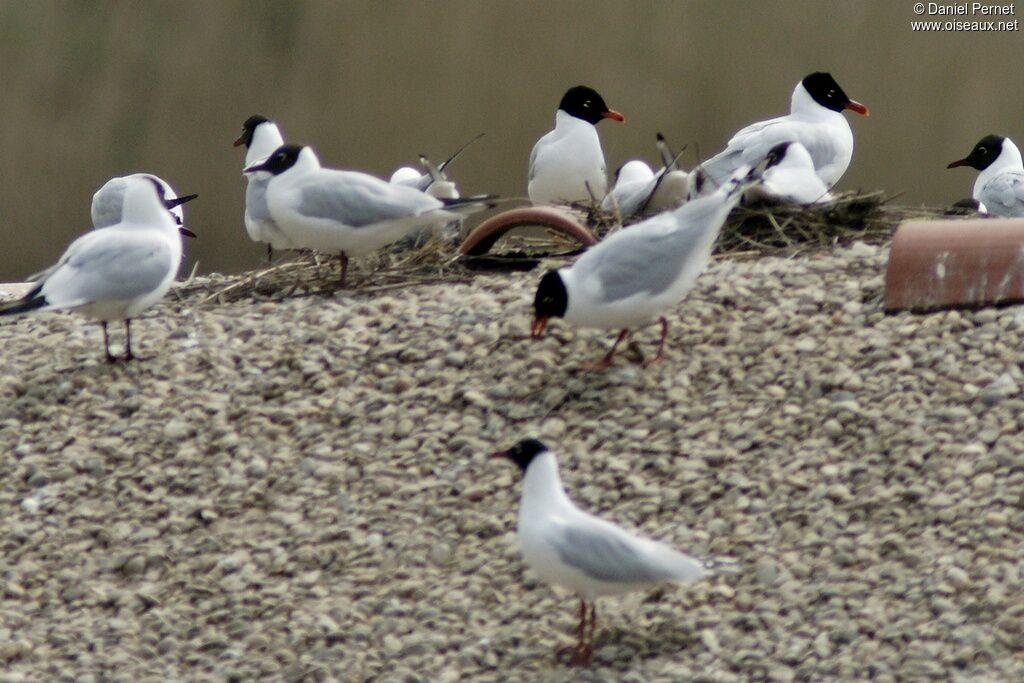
{"points": [[607, 360], [661, 344]]}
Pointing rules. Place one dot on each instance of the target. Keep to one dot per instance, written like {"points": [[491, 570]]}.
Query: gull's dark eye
{"points": [[831, 94], [982, 151], [587, 104]]}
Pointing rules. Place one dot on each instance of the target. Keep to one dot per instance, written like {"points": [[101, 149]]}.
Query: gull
{"points": [[116, 272], [638, 191], [108, 200], [570, 548], [815, 121], [633, 276], [346, 212], [434, 181], [999, 188], [261, 137], [633, 184], [789, 178], [567, 164]]}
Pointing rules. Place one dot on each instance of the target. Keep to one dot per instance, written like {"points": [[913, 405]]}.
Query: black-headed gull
{"points": [[346, 212], [570, 548], [107, 202], [116, 272], [261, 137], [999, 188], [567, 164], [815, 121], [633, 276], [789, 178]]}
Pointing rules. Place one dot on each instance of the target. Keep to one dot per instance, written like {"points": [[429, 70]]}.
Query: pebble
{"points": [[303, 490]]}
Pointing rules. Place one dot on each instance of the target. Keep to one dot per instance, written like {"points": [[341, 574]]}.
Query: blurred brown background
{"points": [[96, 89]]}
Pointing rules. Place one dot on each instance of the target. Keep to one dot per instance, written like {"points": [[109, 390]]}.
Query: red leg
{"points": [[584, 650], [607, 360], [128, 340], [580, 653], [343, 258], [593, 621], [661, 344], [106, 342]]}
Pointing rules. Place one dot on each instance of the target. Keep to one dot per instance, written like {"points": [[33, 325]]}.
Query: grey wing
{"points": [[256, 199], [123, 267], [605, 556], [533, 160], [747, 146], [1004, 194], [358, 200], [632, 262], [106, 204], [635, 203]]}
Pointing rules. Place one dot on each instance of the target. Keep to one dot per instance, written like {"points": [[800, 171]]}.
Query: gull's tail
{"points": [[30, 302], [469, 205]]}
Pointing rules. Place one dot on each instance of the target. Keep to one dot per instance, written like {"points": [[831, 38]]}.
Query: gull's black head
{"points": [[984, 153], [826, 92], [248, 128], [523, 452], [584, 103], [550, 302], [283, 158]]}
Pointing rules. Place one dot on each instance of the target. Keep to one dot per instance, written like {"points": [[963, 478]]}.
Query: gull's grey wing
{"points": [[749, 146], [102, 265], [649, 260], [1004, 194], [606, 556], [106, 203], [533, 160], [358, 200], [256, 199]]}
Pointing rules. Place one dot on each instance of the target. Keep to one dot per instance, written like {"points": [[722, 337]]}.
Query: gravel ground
{"points": [[301, 489]]}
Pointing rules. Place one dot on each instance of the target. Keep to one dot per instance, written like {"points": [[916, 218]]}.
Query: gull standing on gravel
{"points": [[261, 137], [570, 548], [567, 164], [108, 201], [999, 188], [789, 178], [117, 272], [346, 212], [633, 276], [815, 121]]}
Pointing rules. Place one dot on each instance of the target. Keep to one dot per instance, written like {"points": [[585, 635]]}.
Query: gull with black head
{"points": [[999, 188], [573, 549], [567, 164], [261, 137], [788, 178], [346, 212], [815, 120], [632, 277]]}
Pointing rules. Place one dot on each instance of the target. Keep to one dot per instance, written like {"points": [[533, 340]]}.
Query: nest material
{"points": [[789, 229], [750, 231], [309, 273]]}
